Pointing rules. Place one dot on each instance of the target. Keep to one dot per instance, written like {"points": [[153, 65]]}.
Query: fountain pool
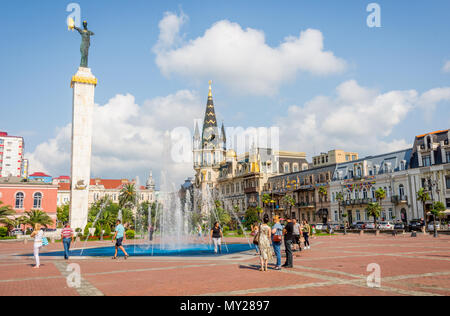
{"points": [[189, 250]]}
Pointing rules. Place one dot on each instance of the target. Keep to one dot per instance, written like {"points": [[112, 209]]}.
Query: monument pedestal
{"points": [[83, 85]]}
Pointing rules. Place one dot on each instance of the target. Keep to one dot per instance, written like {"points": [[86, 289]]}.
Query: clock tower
{"points": [[209, 150]]}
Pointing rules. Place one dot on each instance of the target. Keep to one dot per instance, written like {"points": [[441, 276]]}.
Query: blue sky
{"points": [[40, 55]]}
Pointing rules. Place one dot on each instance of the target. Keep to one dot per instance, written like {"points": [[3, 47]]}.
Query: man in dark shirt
{"points": [[288, 239]]}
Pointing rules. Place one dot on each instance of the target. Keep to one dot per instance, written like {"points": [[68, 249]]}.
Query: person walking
{"points": [[265, 249], [288, 237], [216, 235], [255, 231], [38, 235], [118, 237], [67, 237], [150, 232], [296, 236], [277, 236], [306, 231]]}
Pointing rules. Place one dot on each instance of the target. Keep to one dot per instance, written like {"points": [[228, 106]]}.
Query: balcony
{"points": [[365, 201], [397, 199], [306, 205], [251, 190]]}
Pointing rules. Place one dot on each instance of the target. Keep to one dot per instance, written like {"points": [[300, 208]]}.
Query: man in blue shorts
{"points": [[118, 237]]}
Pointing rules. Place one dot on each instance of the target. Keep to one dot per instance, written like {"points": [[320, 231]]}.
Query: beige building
{"points": [[242, 178], [100, 188], [335, 156]]}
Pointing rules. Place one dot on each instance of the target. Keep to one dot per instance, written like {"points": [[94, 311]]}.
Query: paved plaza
{"points": [[334, 266]]}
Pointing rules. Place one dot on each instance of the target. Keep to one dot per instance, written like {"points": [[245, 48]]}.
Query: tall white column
{"points": [[83, 85]]}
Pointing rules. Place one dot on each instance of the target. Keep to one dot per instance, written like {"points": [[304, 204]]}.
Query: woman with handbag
{"points": [[277, 236], [38, 235], [265, 249]]}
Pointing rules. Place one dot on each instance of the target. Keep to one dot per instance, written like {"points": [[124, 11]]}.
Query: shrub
{"points": [[226, 229], [107, 230], [86, 229], [3, 231], [98, 230], [240, 231], [130, 234]]}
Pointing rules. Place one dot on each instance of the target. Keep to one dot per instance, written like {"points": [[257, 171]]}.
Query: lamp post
{"points": [[433, 185]]}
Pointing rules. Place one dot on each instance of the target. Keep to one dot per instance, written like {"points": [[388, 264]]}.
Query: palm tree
{"points": [[374, 210], [288, 201], [38, 217], [322, 194], [380, 195], [423, 196], [127, 197], [6, 212], [437, 210]]}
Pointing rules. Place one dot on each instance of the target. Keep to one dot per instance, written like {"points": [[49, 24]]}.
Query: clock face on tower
{"points": [[209, 135]]}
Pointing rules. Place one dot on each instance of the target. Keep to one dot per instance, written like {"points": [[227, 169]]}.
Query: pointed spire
{"points": [[210, 89], [224, 136], [196, 131]]}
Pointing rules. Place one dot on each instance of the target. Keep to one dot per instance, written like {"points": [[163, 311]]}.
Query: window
{"points": [[286, 168], [426, 161], [447, 201], [358, 215], [295, 168], [365, 194], [37, 200], [19, 200], [447, 181], [391, 214], [401, 190], [447, 155], [336, 216]]}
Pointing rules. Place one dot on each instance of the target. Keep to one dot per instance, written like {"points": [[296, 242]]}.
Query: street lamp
{"points": [[432, 184]]}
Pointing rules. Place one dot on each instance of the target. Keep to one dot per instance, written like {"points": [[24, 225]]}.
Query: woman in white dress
{"points": [[265, 247], [38, 234]]}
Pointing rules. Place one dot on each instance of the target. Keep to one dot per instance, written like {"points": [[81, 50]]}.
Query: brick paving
{"points": [[334, 265]]}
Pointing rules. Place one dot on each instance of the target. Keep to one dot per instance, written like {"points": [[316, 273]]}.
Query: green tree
{"points": [[62, 214], [6, 212], [38, 217], [423, 196], [374, 210], [127, 197], [288, 202], [437, 210], [251, 217]]}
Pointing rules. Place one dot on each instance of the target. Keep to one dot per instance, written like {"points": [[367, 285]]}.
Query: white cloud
{"points": [[430, 99], [446, 67], [355, 119], [241, 58], [128, 139]]}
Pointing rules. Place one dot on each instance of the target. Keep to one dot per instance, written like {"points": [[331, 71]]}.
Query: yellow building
{"points": [[335, 156]]}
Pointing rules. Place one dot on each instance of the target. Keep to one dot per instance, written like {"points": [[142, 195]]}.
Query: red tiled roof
{"points": [[39, 174], [110, 183], [63, 178]]}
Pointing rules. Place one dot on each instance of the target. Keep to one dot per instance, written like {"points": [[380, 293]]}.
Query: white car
{"points": [[370, 225], [320, 227], [386, 226]]}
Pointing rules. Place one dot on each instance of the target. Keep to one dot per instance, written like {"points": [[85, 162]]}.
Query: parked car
{"points": [[386, 226], [360, 225], [399, 226], [370, 225], [431, 226], [415, 225], [320, 227]]}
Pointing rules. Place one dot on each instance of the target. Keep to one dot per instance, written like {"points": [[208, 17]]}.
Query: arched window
{"points": [[37, 200], [19, 200]]}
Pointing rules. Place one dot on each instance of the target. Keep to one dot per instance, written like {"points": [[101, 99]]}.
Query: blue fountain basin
{"points": [[192, 250]]}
